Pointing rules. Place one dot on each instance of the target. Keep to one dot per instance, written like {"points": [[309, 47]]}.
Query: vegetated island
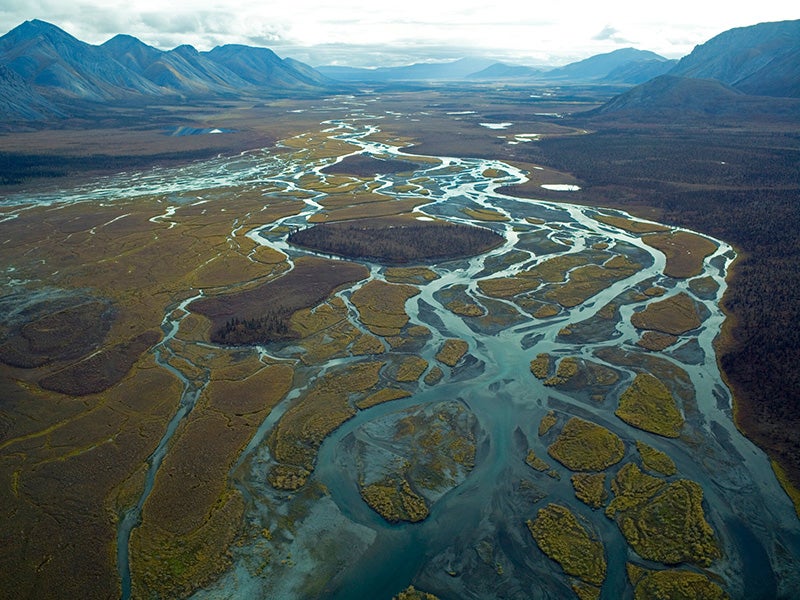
{"points": [[397, 240], [261, 314]]}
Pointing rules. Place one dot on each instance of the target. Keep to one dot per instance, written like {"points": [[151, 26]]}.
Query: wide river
{"points": [[475, 542]]}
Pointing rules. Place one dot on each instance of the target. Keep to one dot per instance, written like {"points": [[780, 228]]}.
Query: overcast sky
{"points": [[380, 32]]}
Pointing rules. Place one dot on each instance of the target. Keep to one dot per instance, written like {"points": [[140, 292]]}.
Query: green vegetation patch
{"points": [[302, 428], [655, 460], [648, 405], [675, 315], [662, 522], [586, 446], [411, 593], [394, 500], [397, 240], [590, 488], [547, 422], [678, 584], [567, 368], [562, 538], [536, 463]]}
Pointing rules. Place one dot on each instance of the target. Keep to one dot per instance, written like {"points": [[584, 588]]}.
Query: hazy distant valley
{"points": [[469, 329]]}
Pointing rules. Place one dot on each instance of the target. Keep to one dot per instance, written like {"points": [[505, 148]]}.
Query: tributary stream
{"points": [[474, 542]]}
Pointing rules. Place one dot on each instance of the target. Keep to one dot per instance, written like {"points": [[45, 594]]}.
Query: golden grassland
{"points": [[662, 521], [648, 405], [484, 214], [675, 315], [566, 370], [675, 583], [560, 535], [434, 376], [411, 369], [381, 396], [410, 339], [232, 407], [586, 446], [507, 287], [656, 341], [547, 422], [411, 593], [654, 291], [544, 311], [298, 434], [704, 287], [452, 351], [540, 366], [685, 252], [494, 173], [554, 270], [465, 309], [148, 262], [590, 488], [791, 491], [630, 224], [535, 462], [381, 306], [394, 500], [381, 207], [655, 460], [410, 275], [584, 282]]}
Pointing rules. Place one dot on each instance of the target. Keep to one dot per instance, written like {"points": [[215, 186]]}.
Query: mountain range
{"points": [[45, 71], [626, 65], [751, 72]]}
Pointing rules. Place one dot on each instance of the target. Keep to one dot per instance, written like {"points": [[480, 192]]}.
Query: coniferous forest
{"points": [[396, 241]]}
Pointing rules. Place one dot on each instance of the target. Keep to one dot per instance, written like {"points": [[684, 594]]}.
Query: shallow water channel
{"points": [[474, 542]]}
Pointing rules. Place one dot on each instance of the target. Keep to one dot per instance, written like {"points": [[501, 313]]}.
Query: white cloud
{"points": [[322, 31]]}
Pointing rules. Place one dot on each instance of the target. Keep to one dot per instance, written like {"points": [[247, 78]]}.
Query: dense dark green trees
{"points": [[393, 241]]}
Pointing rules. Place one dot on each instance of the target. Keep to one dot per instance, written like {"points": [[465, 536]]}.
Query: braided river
{"points": [[327, 542]]}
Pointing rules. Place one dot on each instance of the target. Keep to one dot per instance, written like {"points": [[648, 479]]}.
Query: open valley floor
{"points": [[351, 345]]}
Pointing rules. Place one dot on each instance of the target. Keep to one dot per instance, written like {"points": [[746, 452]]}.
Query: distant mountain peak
{"points": [[762, 59]]}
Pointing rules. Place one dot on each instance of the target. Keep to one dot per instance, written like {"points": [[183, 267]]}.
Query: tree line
{"points": [[396, 243]]}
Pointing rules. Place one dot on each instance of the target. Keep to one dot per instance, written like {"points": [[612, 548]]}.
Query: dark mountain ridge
{"points": [[45, 70], [761, 59], [600, 66], [748, 73]]}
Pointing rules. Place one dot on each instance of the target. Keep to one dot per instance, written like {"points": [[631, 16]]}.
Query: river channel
{"points": [[474, 542]]}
